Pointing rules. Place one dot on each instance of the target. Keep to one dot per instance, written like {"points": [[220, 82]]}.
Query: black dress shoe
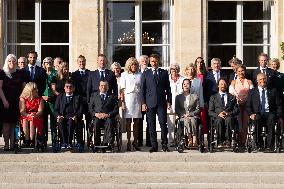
{"points": [[165, 148], [153, 150]]}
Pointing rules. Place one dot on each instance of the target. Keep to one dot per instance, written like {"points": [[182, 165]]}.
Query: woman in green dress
{"points": [[49, 94]]}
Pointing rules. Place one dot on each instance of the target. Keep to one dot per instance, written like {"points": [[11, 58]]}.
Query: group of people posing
{"points": [[30, 95]]}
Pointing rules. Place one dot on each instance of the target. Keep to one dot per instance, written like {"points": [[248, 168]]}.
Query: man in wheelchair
{"points": [[103, 108], [264, 108], [68, 110], [187, 110], [223, 109]]}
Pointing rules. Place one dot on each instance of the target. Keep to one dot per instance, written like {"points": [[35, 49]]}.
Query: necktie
{"points": [[32, 72], [263, 100], [102, 97], [156, 75], [223, 99], [102, 75], [217, 76]]}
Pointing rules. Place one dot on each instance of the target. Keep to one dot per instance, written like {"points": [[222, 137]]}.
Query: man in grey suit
{"points": [[103, 108], [187, 109], [223, 109]]}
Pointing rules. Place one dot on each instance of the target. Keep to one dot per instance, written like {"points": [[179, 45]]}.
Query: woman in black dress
{"points": [[63, 74], [11, 85]]}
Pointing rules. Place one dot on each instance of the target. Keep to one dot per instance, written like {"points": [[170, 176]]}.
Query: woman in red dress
{"points": [[201, 74], [31, 109]]}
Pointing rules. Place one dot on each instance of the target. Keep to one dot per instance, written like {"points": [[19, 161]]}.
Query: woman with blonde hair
{"points": [[130, 83], [31, 109], [11, 85], [63, 75]]}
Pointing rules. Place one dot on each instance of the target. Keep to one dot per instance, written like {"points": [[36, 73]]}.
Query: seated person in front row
{"points": [[68, 110], [31, 109], [263, 106], [223, 109], [103, 108], [187, 109]]}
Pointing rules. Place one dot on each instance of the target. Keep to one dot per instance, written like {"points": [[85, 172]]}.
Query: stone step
{"points": [[142, 157], [143, 186], [142, 177], [142, 167]]}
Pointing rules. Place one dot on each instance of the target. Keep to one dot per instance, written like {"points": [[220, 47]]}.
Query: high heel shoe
{"points": [[128, 146]]}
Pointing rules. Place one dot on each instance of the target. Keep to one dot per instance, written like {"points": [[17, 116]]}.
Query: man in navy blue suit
{"points": [[156, 97], [101, 74], [80, 80], [269, 73], [210, 82], [37, 74]]}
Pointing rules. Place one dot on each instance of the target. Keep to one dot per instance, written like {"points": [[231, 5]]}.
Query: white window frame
{"points": [[239, 44], [38, 21], [138, 34]]}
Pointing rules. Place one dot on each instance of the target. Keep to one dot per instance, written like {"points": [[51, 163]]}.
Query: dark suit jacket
{"points": [[39, 78], [108, 106], [253, 103], [61, 102], [25, 75], [210, 85], [270, 77], [80, 82], [156, 92], [216, 106], [94, 82]]}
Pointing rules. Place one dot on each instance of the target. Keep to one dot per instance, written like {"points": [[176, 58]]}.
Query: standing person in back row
{"points": [[156, 98], [262, 68], [101, 74], [37, 74]]}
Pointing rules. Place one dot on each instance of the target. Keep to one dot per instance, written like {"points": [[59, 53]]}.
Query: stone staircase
{"points": [[131, 170]]}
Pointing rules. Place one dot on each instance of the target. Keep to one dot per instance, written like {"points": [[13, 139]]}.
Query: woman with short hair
{"points": [[130, 83], [11, 85]]}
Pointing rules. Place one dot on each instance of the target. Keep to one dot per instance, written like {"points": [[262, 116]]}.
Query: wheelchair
{"points": [[57, 138], [39, 144], [251, 137], [213, 136], [110, 136], [181, 136]]}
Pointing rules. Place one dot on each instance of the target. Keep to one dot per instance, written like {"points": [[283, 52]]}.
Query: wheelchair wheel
{"points": [[180, 148], [250, 145]]}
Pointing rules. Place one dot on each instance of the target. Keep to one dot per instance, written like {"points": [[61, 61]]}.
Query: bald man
{"points": [[263, 107]]}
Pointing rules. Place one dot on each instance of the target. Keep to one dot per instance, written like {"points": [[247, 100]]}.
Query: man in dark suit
{"points": [[210, 82], [101, 74], [223, 109], [269, 73], [68, 110], [263, 107], [143, 63], [156, 97], [80, 80], [103, 107], [37, 74]]}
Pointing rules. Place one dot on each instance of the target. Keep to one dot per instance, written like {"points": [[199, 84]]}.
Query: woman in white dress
{"points": [[176, 89], [130, 83]]}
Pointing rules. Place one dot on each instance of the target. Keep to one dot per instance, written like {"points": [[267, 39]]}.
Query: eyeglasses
{"points": [[47, 62], [68, 86]]}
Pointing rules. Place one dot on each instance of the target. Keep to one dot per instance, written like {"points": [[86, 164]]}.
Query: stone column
{"points": [[86, 31], [189, 38]]}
